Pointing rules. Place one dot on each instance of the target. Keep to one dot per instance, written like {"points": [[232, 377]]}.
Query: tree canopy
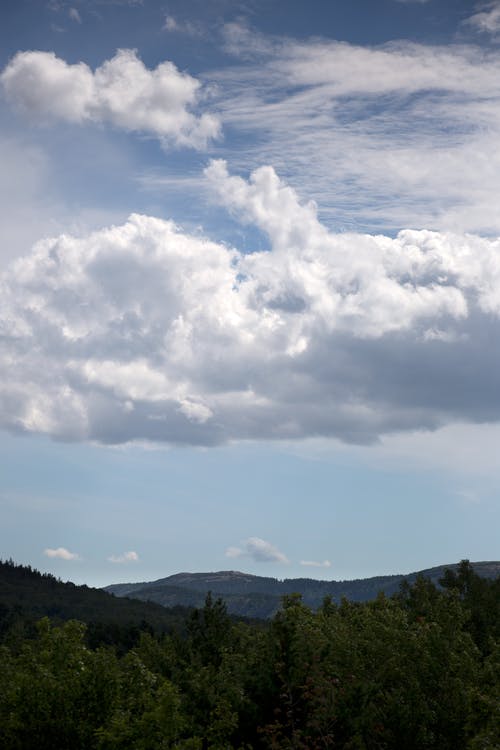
{"points": [[418, 670]]}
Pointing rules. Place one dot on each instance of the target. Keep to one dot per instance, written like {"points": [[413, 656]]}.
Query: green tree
{"points": [[55, 692]]}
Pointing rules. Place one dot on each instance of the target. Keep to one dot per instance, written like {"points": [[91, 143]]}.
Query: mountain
{"points": [[27, 595], [256, 596]]}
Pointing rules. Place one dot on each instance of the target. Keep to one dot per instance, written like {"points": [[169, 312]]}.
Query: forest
{"points": [[415, 671]]}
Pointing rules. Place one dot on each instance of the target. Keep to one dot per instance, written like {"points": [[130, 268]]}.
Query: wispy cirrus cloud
{"points": [[488, 19], [258, 550], [74, 14], [408, 131], [122, 92], [185, 27], [399, 134], [61, 553]]}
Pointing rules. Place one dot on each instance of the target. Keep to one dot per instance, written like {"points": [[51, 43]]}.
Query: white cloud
{"points": [[400, 134], [487, 20], [316, 564], [170, 24], [61, 553], [142, 332], [127, 557], [259, 550], [241, 41], [74, 14], [188, 28], [122, 92]]}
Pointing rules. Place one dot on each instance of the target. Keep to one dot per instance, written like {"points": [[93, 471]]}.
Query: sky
{"points": [[249, 287]]}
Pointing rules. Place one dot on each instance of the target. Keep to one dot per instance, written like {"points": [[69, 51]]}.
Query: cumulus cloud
{"points": [[316, 564], [259, 550], [144, 332], [61, 553], [122, 92], [127, 557]]}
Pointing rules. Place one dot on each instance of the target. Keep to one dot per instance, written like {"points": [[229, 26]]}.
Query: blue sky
{"points": [[250, 290]]}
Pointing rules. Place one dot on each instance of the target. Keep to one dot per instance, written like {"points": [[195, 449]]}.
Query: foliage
{"points": [[417, 671], [27, 595]]}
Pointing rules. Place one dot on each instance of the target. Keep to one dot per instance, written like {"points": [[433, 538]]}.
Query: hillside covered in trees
{"points": [[27, 595], [418, 670], [247, 595]]}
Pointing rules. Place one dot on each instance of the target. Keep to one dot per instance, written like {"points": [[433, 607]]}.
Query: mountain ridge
{"points": [[249, 595]]}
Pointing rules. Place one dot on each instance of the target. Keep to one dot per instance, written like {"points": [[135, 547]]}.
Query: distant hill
{"points": [[27, 595], [162, 605], [256, 596]]}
